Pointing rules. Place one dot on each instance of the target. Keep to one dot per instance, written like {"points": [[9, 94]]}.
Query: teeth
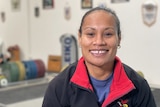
{"points": [[102, 51], [98, 52], [94, 52]]}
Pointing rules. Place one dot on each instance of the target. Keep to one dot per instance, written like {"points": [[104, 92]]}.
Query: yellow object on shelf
{"points": [[54, 63]]}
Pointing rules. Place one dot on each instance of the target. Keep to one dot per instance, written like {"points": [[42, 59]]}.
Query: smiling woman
{"points": [[99, 40], [99, 78]]}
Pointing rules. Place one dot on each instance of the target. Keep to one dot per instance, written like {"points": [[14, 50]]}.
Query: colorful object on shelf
{"points": [[15, 53], [23, 70], [54, 63], [3, 81], [40, 67]]}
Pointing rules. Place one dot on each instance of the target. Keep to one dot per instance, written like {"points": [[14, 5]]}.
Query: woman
{"points": [[99, 78]]}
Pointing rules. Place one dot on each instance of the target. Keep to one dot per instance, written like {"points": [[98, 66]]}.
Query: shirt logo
{"points": [[123, 103]]}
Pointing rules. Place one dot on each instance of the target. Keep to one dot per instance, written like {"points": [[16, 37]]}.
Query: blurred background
{"points": [[33, 34]]}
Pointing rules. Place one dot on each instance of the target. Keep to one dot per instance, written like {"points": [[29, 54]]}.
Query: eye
{"points": [[90, 34], [108, 34]]}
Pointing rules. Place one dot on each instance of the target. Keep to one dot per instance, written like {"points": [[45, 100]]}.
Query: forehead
{"points": [[99, 16], [98, 13]]}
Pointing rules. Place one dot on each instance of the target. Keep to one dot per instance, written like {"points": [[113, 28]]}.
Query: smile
{"points": [[98, 52]]}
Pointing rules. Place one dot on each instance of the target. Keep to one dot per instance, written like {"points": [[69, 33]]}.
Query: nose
{"points": [[99, 40]]}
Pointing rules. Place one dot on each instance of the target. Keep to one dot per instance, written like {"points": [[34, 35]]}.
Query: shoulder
{"points": [[143, 94], [131, 73], [57, 90], [137, 80], [63, 78]]}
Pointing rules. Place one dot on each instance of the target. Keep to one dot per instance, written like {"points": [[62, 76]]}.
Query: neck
{"points": [[100, 72]]}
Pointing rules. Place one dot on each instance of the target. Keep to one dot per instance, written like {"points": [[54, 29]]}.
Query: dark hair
{"points": [[108, 10]]}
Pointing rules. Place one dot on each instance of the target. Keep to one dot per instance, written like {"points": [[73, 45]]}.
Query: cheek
{"points": [[85, 46], [85, 42], [113, 44]]}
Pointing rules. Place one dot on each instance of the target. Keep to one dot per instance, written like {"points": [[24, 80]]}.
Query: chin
{"points": [[97, 63]]}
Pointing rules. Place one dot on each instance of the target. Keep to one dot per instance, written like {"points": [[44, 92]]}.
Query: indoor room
{"points": [[40, 39]]}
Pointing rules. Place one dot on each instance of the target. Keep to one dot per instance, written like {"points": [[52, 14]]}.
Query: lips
{"points": [[99, 52]]}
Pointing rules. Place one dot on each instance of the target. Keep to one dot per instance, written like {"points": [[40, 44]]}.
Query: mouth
{"points": [[100, 52]]}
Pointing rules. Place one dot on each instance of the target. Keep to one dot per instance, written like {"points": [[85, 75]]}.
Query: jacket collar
{"points": [[120, 86], [80, 77]]}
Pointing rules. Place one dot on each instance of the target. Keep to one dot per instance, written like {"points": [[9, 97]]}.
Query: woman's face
{"points": [[99, 39]]}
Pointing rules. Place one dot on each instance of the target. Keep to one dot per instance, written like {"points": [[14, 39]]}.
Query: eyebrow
{"points": [[95, 28]]}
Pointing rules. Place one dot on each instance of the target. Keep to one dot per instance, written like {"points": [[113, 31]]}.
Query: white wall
{"points": [[140, 43], [39, 37], [15, 29]]}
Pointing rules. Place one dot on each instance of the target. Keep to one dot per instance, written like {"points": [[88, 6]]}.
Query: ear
{"points": [[119, 39], [79, 39]]}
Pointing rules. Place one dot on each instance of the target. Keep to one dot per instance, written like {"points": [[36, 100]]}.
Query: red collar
{"points": [[80, 77], [121, 84]]}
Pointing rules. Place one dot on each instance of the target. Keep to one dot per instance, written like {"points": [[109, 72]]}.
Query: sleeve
{"points": [[145, 97], [51, 97]]}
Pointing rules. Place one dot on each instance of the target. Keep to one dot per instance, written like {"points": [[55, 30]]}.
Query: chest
{"points": [[83, 98]]}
